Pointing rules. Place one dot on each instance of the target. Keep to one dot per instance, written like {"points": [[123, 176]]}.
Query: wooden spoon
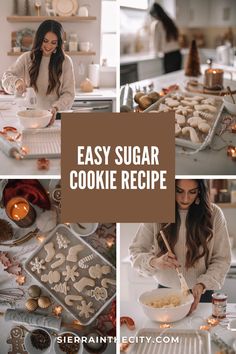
{"points": [[231, 95]]}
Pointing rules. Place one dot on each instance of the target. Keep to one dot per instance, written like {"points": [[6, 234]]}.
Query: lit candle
{"points": [[233, 129], [165, 325], [21, 212], [214, 78]]}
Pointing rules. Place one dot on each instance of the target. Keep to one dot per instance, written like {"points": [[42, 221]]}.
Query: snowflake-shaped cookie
{"points": [[184, 110], [62, 241], [85, 309], [70, 273], [37, 265]]}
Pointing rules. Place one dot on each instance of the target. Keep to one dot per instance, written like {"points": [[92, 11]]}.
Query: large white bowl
{"points": [[170, 314], [229, 105], [89, 228], [30, 119]]}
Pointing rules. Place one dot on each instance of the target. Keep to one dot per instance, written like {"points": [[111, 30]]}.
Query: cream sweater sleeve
{"points": [[220, 254], [67, 89], [142, 249], [16, 71]]}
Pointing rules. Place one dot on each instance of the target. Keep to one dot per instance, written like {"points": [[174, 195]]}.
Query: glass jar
{"points": [[233, 192]]}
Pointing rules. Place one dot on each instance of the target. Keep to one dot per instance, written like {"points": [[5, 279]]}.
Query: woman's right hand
{"points": [[20, 86], [167, 260]]}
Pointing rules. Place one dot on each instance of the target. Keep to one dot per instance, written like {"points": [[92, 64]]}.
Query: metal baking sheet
{"points": [[96, 258], [186, 142], [42, 142], [175, 341]]}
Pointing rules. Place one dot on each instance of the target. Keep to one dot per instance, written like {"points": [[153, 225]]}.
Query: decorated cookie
{"points": [[98, 293], [82, 262], [205, 108], [106, 281], [171, 102], [82, 283], [62, 241], [49, 248], [178, 129], [37, 265], [16, 341], [51, 277], [61, 259], [72, 254], [184, 110], [180, 119], [97, 271], [85, 309], [69, 299], [61, 288], [70, 273], [192, 133], [204, 115]]}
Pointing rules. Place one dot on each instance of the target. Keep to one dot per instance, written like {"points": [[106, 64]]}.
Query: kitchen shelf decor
{"points": [[43, 18], [69, 53]]}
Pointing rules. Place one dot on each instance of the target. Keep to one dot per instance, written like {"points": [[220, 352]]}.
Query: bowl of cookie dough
{"points": [[84, 229]]}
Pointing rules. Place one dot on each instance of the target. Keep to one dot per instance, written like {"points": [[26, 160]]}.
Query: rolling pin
{"points": [[33, 319], [37, 319], [9, 148]]}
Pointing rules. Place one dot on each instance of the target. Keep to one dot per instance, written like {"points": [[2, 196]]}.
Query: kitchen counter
{"points": [[136, 57], [211, 161], [132, 309], [97, 94], [10, 166]]}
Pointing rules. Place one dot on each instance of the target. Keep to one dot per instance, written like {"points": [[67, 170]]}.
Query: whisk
{"points": [[183, 284]]}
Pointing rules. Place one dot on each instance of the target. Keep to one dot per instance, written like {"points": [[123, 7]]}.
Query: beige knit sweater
{"points": [[144, 246], [20, 69]]}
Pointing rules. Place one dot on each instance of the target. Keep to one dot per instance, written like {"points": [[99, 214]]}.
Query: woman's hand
{"points": [[167, 260], [197, 291], [53, 110], [20, 86]]}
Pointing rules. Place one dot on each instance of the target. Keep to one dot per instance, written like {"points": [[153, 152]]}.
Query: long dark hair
{"points": [[56, 59], [171, 29], [199, 227]]}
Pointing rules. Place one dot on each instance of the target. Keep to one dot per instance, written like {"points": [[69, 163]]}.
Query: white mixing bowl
{"points": [[30, 119], [168, 314]]}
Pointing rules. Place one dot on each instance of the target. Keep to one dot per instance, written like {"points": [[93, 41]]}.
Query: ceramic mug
{"points": [[85, 46]]}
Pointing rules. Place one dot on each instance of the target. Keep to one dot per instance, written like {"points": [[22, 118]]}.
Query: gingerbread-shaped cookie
{"points": [[17, 341]]}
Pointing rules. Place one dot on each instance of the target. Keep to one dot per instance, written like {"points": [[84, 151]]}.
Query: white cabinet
{"points": [[182, 13], [150, 68], [223, 13], [198, 13]]}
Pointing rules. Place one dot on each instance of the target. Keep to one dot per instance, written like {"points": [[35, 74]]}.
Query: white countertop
{"points": [[211, 161], [102, 93], [11, 166]]}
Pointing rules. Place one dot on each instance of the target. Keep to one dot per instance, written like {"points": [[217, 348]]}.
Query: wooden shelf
{"points": [[13, 54], [227, 205], [43, 18]]}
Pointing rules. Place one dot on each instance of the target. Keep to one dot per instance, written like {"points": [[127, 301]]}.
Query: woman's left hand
{"points": [[53, 110], [197, 291]]}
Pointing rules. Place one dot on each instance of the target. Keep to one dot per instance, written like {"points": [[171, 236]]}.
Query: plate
{"points": [[65, 7]]}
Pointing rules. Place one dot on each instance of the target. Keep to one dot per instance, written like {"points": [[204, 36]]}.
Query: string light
{"points": [[57, 310], [40, 238]]}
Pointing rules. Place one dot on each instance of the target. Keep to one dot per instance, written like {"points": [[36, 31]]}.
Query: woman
{"points": [[198, 239], [166, 39], [46, 69]]}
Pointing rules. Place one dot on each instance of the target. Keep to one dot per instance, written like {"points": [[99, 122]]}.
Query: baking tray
{"points": [[42, 142], [177, 341], [206, 138], [83, 268]]}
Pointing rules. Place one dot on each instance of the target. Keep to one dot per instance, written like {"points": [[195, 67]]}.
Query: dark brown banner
{"points": [[118, 167]]}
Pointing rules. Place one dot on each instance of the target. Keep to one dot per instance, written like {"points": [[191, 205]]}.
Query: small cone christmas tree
{"points": [[193, 62], [15, 7]]}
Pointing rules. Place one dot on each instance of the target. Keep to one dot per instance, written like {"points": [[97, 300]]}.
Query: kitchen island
{"points": [[211, 161], [132, 309]]}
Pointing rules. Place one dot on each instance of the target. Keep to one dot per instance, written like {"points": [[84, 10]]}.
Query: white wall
{"points": [[87, 31]]}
